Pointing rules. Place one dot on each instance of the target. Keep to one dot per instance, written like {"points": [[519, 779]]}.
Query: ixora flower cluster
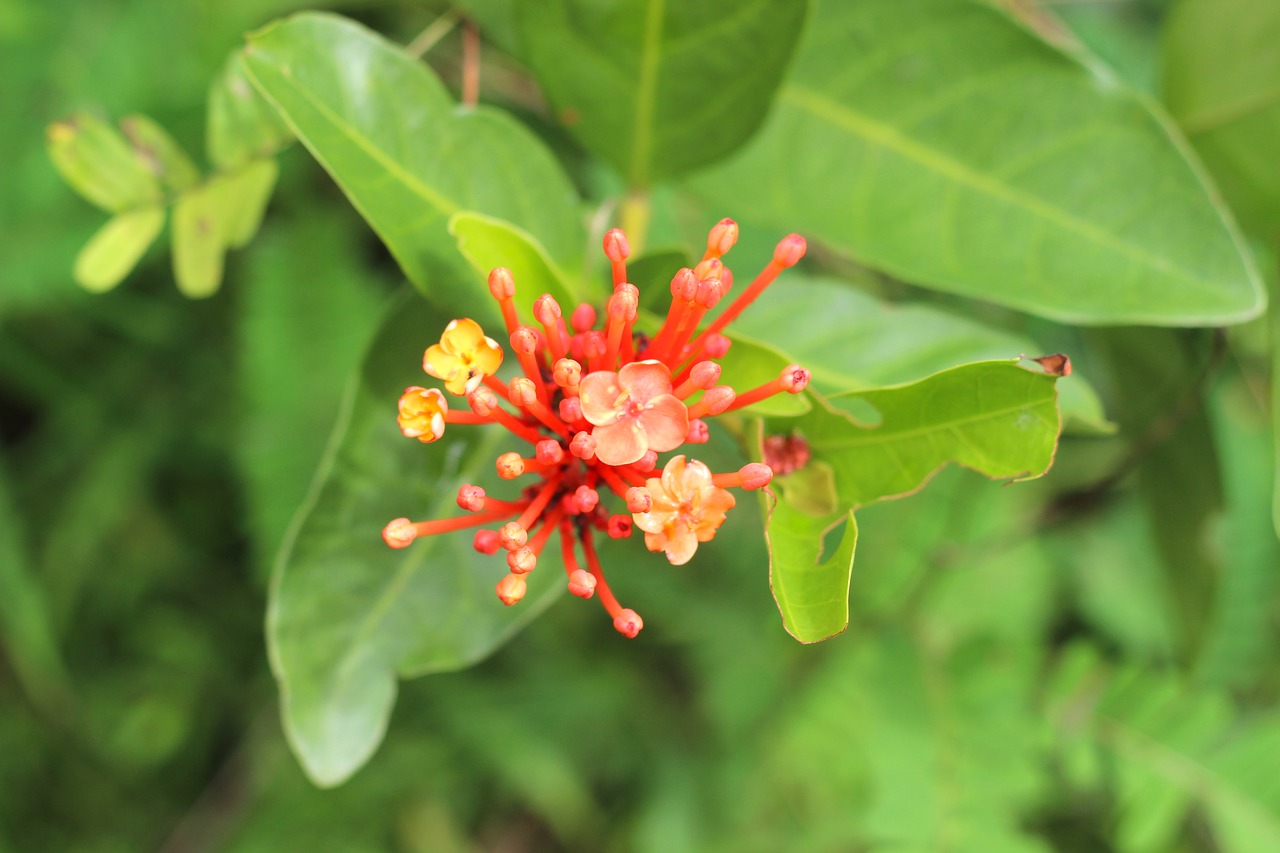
{"points": [[597, 405]]}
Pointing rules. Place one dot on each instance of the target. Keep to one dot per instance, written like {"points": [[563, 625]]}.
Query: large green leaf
{"points": [[994, 417], [241, 125], [1222, 84], [408, 158], [657, 88], [347, 613], [945, 143]]}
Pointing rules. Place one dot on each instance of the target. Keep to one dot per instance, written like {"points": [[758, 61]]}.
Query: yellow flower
{"points": [[463, 357], [422, 413]]}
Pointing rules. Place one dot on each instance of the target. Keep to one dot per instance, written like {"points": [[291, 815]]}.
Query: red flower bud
{"points": [[471, 498], [585, 498], [582, 584], [399, 533], [583, 446], [501, 284], [584, 317], [717, 345], [684, 285], [755, 475], [794, 378], [618, 526], [510, 465], [616, 246], [628, 623], [524, 340], [639, 499], [698, 432], [511, 589], [546, 310], [512, 536], [570, 410], [522, 560], [548, 451], [790, 250], [722, 237], [487, 542]]}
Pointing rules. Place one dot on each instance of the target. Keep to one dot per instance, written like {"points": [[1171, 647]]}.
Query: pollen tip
{"points": [[570, 409], [522, 392], [618, 526], [583, 446], [522, 560], [698, 433], [722, 237], [585, 498], [471, 498], [709, 292], [567, 372], [705, 374], [512, 536], [511, 589], [790, 250], [622, 306], [684, 285], [718, 399], [546, 310], [794, 378], [639, 499], [501, 283], [482, 401], [582, 583], [399, 533], [616, 246], [524, 340], [509, 465], [628, 623], [548, 452], [755, 475]]}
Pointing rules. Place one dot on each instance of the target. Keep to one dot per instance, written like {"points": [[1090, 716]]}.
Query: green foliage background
{"points": [[1084, 662]]}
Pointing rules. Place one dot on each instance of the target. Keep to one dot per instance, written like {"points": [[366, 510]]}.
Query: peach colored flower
{"points": [[422, 412], [463, 357], [633, 411], [687, 509]]}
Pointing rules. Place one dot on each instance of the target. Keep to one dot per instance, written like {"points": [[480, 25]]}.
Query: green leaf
{"points": [[658, 88], [812, 593], [994, 417], [944, 143], [117, 247], [199, 240], [160, 152], [223, 212], [875, 343], [347, 613], [487, 243], [246, 193], [407, 158], [241, 125], [97, 161], [1222, 84]]}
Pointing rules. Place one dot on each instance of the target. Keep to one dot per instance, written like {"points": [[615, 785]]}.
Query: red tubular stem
{"points": [[462, 522], [611, 605], [612, 480], [566, 548], [755, 395], [548, 418], [540, 500], [515, 426]]}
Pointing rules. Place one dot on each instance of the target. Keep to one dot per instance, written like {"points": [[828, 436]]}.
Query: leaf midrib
{"points": [[650, 59], [888, 137]]}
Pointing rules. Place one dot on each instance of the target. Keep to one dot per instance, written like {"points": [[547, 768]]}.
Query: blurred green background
{"points": [[1015, 677]]}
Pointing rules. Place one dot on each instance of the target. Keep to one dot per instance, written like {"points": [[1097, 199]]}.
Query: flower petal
{"points": [[665, 421], [654, 521], [462, 336], [599, 392], [645, 380], [681, 545], [487, 357], [439, 362], [620, 443]]}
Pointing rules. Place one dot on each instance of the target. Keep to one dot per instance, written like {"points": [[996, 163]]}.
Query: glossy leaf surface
{"points": [[348, 614], [1011, 172], [656, 88], [390, 135]]}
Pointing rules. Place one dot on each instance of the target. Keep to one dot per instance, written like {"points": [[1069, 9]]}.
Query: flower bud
{"points": [[501, 284], [483, 401], [585, 498], [618, 526], [584, 317], [755, 475], [511, 589], [709, 293], [639, 499], [399, 533], [594, 344], [790, 250], [512, 536], [705, 374], [710, 268], [524, 340], [684, 285], [486, 542], [570, 410], [471, 498], [718, 399], [522, 560], [583, 446], [582, 584], [628, 623], [647, 462], [522, 392], [510, 465], [548, 452], [698, 432], [794, 378], [546, 310], [722, 237], [616, 246], [566, 373], [717, 345], [622, 307]]}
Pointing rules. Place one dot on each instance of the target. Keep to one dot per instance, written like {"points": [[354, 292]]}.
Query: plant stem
{"points": [[429, 37]]}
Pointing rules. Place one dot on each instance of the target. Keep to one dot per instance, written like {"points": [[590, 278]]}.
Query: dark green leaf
{"points": [[97, 161], [658, 88], [117, 247], [348, 613], [946, 144], [389, 134], [1222, 84]]}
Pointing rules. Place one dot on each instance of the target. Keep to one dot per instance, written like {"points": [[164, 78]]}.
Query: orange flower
{"points": [[633, 411], [463, 357], [422, 413], [688, 508]]}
